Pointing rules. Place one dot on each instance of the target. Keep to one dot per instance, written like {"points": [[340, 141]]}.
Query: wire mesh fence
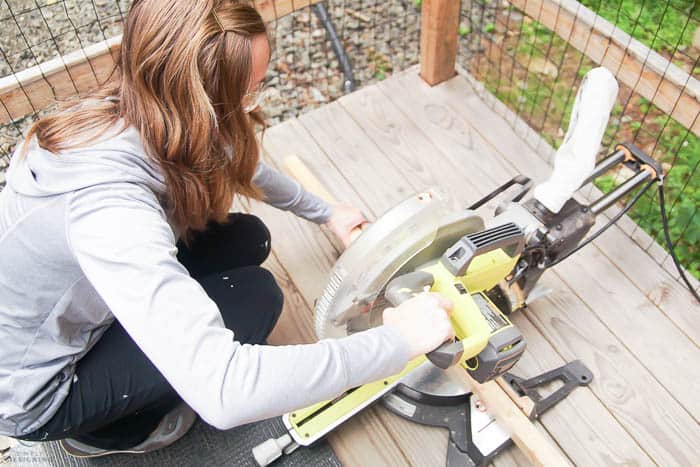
{"points": [[532, 55], [517, 49], [374, 37]]}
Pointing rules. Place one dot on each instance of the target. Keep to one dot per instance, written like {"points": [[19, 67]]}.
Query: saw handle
{"points": [[407, 286]]}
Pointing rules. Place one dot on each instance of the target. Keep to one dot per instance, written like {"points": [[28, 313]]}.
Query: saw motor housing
{"points": [[487, 344]]}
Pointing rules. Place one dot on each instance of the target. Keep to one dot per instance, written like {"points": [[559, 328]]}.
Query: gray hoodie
{"points": [[84, 239]]}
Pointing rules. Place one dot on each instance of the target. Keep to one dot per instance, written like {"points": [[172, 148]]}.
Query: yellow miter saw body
{"points": [[487, 269], [422, 245]]}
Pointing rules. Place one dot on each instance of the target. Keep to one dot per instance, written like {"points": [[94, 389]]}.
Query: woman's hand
{"points": [[423, 321], [344, 219]]}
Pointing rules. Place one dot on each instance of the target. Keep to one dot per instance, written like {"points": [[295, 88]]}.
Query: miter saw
{"points": [[489, 268]]}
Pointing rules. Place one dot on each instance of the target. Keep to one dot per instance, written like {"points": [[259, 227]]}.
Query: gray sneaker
{"points": [[172, 427]]}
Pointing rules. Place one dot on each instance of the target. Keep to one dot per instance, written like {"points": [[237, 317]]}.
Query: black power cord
{"points": [[664, 221], [669, 243], [615, 218]]}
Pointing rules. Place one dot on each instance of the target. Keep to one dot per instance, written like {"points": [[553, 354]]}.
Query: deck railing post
{"points": [[438, 40]]}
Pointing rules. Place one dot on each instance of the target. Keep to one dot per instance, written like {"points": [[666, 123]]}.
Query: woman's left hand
{"points": [[344, 220]]}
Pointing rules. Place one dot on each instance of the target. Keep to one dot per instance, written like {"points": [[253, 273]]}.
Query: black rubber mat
{"points": [[202, 446]]}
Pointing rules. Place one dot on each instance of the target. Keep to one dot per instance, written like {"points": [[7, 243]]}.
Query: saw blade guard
{"points": [[363, 270]]}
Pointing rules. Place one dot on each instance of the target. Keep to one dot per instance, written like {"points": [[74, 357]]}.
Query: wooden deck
{"points": [[611, 305]]}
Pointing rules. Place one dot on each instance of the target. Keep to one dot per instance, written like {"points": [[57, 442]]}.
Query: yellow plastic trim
{"points": [[314, 421], [470, 326], [487, 270]]}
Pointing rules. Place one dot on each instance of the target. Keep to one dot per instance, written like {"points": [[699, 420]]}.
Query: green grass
{"points": [[545, 103], [643, 18]]}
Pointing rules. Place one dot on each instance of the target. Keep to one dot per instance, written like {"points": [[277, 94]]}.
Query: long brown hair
{"points": [[183, 71]]}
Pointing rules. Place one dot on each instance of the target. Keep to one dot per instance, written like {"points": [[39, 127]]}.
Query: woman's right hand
{"points": [[423, 321]]}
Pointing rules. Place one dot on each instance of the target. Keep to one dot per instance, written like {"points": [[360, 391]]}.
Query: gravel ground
{"points": [[379, 36]]}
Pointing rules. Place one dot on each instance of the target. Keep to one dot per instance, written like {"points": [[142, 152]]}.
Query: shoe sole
{"points": [[173, 427]]}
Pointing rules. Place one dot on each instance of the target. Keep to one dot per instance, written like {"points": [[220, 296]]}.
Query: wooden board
{"points": [[438, 40], [646, 72], [61, 78]]}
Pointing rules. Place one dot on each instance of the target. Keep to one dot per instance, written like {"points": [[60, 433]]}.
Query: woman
{"points": [[126, 287]]}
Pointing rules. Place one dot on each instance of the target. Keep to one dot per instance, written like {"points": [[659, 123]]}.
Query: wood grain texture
{"points": [[581, 424], [637, 259], [648, 412], [503, 140], [646, 72], [395, 134], [438, 40], [640, 325]]}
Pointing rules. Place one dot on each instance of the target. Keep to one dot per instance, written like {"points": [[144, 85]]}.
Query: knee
{"points": [[270, 309], [256, 229], [250, 301], [272, 292]]}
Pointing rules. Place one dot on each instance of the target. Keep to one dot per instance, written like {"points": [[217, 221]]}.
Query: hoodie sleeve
{"points": [[126, 249], [287, 194]]}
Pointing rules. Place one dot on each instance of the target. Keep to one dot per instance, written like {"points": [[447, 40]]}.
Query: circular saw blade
{"points": [[415, 232]]}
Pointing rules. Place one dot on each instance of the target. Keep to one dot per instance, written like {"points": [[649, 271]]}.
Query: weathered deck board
{"points": [[375, 147], [401, 139], [570, 426], [618, 307], [412, 438], [657, 283]]}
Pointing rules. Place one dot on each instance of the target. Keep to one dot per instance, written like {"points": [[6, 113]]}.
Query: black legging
{"points": [[96, 411]]}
